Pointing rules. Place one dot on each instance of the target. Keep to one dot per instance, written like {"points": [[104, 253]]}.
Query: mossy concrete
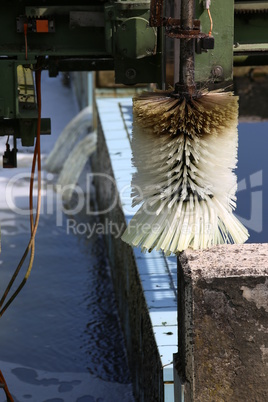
{"points": [[223, 324]]}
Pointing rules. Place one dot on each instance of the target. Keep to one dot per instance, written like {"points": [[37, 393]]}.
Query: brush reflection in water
{"points": [[252, 175]]}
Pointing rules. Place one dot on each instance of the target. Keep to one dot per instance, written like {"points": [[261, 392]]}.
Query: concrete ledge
{"points": [[223, 324], [145, 284]]}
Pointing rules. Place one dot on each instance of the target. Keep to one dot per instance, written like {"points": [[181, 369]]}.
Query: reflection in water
{"points": [[60, 340], [252, 175], [65, 319]]}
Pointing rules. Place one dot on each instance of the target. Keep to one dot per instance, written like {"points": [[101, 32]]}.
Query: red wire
{"points": [[25, 28]]}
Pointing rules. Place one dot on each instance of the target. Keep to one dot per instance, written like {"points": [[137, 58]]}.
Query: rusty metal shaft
{"points": [[186, 76], [186, 29]]}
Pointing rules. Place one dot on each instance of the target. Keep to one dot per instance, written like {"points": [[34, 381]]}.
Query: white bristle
{"points": [[185, 153]]}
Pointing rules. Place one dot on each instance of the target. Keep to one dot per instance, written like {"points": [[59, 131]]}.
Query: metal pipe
{"points": [[186, 75], [176, 44]]}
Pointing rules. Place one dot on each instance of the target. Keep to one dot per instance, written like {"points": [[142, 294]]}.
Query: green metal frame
{"points": [[93, 44], [137, 47], [251, 33], [115, 35], [241, 38], [85, 37], [216, 64]]}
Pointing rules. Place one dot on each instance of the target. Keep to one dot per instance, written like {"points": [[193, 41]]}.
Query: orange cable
{"points": [[34, 225], [211, 22], [25, 29], [8, 394]]}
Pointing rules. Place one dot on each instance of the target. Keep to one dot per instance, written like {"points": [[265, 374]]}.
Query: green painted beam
{"points": [[223, 31]]}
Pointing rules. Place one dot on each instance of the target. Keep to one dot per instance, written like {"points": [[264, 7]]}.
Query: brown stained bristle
{"points": [[185, 151], [207, 114]]}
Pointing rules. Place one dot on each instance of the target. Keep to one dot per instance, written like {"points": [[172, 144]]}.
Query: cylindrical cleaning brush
{"points": [[185, 149]]}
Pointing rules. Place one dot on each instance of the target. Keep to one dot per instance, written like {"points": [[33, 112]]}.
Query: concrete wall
{"points": [[143, 356], [144, 361], [223, 324]]}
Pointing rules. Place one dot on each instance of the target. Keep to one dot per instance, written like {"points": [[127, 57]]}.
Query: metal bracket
{"points": [[174, 27], [36, 24]]}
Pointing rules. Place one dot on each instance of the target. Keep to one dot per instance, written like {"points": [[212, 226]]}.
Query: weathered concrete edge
{"points": [[222, 324], [227, 260], [143, 355]]}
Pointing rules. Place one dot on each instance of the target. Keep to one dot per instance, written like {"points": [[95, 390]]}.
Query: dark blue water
{"points": [[60, 341], [252, 174], [65, 319]]}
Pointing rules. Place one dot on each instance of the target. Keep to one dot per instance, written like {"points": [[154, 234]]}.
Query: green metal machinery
{"points": [[114, 35]]}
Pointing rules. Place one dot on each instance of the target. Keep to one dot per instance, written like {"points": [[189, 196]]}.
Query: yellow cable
{"points": [[34, 225], [211, 22]]}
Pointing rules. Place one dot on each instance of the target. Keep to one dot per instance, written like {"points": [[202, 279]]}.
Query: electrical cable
{"points": [[5, 387], [33, 224], [25, 29], [207, 4], [211, 22]]}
